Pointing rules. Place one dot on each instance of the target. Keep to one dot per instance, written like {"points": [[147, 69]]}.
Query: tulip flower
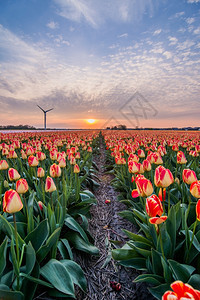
{"points": [[40, 172], [40, 204], [40, 156], [141, 153], [154, 206], [198, 210], [144, 187], [133, 167], [89, 149], [189, 176], [12, 202], [62, 162], [181, 290], [163, 177], [195, 189], [3, 165], [21, 186], [146, 165], [157, 158], [33, 161], [181, 158], [13, 174], [11, 154], [76, 168], [50, 185], [23, 154], [107, 201], [55, 171]]}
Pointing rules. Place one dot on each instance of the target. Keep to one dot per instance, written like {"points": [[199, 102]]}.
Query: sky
{"points": [[132, 62]]}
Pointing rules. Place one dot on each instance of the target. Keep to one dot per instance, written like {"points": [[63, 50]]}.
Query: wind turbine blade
{"points": [[41, 108], [49, 109]]}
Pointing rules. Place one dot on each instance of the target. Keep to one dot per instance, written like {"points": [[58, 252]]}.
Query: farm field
{"points": [[100, 215]]}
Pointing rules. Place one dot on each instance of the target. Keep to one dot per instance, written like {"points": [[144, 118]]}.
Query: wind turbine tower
{"points": [[45, 117]]}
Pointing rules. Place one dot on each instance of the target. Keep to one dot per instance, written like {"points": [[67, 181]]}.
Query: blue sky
{"points": [[116, 61]]}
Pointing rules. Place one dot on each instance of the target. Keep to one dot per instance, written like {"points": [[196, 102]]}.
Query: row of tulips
{"points": [[44, 181], [157, 175]]}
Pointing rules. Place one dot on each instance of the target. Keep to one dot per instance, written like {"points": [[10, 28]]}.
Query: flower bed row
{"points": [[158, 175], [44, 181]]}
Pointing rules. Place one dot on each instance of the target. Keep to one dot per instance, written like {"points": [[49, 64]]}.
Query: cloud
{"points": [[193, 1], [53, 25], [123, 35], [173, 40], [197, 31], [96, 12], [167, 54], [190, 20], [158, 31]]}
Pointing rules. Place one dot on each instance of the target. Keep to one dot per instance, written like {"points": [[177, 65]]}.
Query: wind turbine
{"points": [[45, 118]]}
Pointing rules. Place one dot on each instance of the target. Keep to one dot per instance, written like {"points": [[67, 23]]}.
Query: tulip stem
{"points": [[17, 247], [161, 244], [168, 200]]}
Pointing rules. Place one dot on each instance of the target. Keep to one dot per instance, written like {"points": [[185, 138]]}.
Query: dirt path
{"points": [[106, 225]]}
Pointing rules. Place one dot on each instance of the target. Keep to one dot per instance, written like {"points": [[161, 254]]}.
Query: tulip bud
{"points": [[12, 202], [3, 165], [62, 162], [40, 204], [21, 186], [13, 174], [50, 185], [55, 171], [76, 168], [40, 172], [154, 206]]}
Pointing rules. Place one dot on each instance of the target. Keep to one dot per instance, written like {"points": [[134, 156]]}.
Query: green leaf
{"points": [[149, 278], [137, 237], [159, 290], [30, 258], [181, 271], [65, 249], [156, 262], [9, 295], [57, 274], [167, 274], [14, 257], [136, 263], [9, 229], [194, 281], [81, 244], [3, 251], [72, 224], [127, 214], [76, 273], [171, 227], [39, 235], [52, 240], [140, 215], [36, 280], [125, 254]]}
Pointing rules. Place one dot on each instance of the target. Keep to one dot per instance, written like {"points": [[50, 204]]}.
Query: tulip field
{"points": [[48, 182]]}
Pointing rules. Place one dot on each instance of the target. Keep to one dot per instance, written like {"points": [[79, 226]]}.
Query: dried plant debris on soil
{"points": [[102, 273]]}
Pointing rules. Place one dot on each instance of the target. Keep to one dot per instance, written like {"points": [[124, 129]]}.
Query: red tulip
{"points": [[3, 165], [144, 187], [181, 158], [181, 291], [13, 174], [154, 206], [21, 186], [189, 176], [195, 189], [163, 177], [50, 185], [12, 202], [55, 171], [33, 161]]}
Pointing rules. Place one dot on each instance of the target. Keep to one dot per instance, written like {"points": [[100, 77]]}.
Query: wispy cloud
{"points": [[193, 1], [53, 25], [96, 12], [158, 31]]}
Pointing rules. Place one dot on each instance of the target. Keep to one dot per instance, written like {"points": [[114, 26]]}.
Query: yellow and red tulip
{"points": [[12, 202]]}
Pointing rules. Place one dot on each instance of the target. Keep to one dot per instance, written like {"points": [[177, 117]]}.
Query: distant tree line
{"points": [[117, 127], [17, 127]]}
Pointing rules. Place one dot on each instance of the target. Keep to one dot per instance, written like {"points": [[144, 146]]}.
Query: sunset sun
{"points": [[91, 121]]}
